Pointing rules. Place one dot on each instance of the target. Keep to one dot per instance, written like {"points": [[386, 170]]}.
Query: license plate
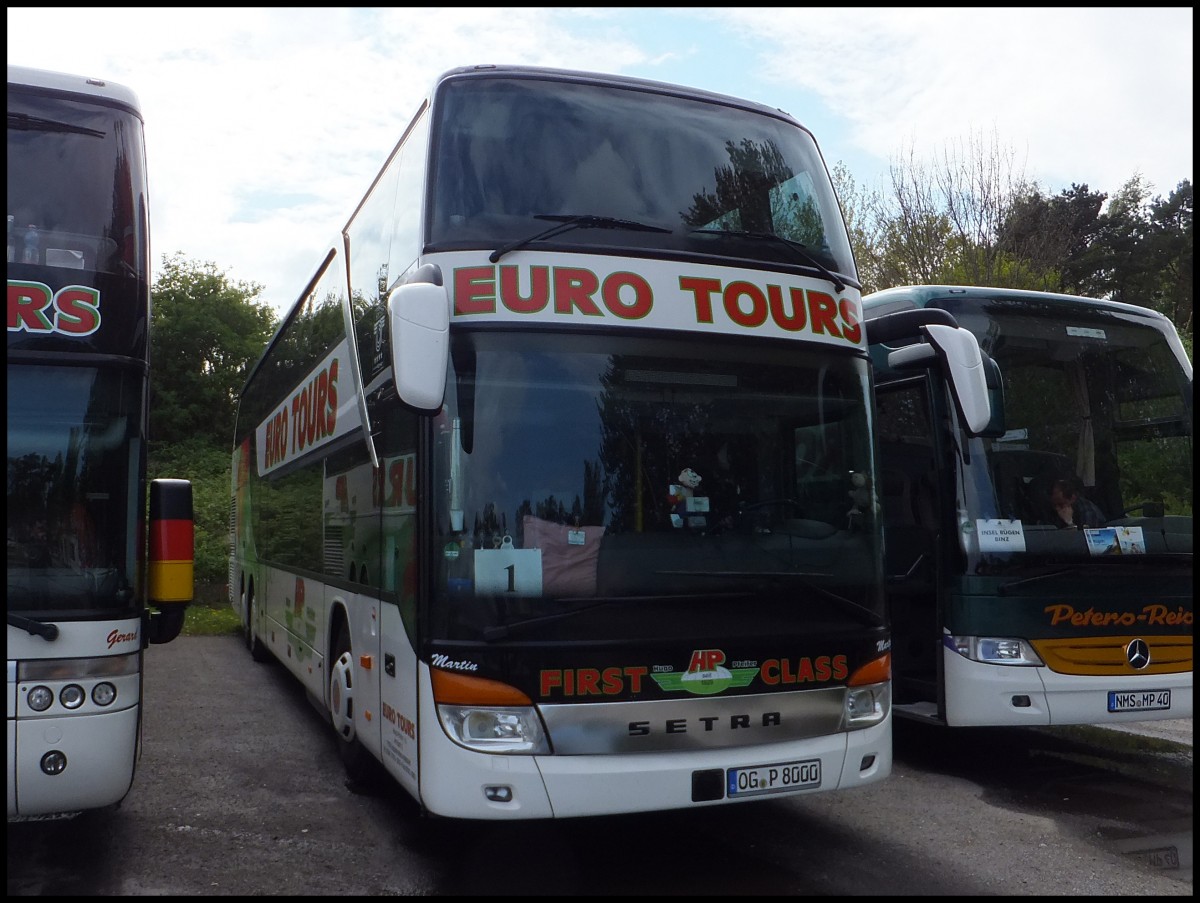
{"points": [[1160, 858], [1138, 700], [772, 778]]}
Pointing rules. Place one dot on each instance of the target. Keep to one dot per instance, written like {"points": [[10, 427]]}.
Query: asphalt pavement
{"points": [[1178, 730]]}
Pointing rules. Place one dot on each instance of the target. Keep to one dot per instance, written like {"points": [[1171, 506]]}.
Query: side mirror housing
{"points": [[960, 355], [974, 378], [419, 325], [170, 578]]}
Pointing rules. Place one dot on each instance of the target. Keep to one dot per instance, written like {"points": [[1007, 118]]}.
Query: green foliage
{"points": [[970, 220], [205, 333], [211, 620], [208, 468]]}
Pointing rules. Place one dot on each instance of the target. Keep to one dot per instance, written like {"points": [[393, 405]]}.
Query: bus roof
{"points": [[65, 83], [904, 297], [628, 81]]}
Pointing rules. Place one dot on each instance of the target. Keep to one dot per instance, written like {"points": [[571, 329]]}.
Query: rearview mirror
{"points": [[419, 323]]}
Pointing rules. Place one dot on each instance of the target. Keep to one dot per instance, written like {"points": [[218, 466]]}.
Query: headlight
{"points": [[495, 730], [867, 705], [40, 698], [72, 696], [994, 650], [104, 693]]}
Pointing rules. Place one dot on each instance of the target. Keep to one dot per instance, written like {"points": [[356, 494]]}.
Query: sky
{"points": [[265, 127]]}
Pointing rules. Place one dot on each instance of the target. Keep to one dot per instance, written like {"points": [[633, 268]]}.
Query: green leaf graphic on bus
{"points": [[705, 675], [705, 683]]}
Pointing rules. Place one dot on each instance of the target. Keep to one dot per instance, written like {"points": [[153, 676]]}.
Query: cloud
{"points": [[1086, 97], [265, 127]]}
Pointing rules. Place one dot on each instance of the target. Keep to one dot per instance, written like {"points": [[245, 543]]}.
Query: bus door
{"points": [[396, 674], [909, 479]]}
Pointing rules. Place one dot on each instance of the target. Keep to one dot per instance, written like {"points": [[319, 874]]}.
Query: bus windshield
{"points": [[647, 487], [1099, 432], [73, 172], [72, 458], [644, 170]]}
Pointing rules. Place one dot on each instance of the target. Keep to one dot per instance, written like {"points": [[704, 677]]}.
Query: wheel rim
{"points": [[341, 696]]}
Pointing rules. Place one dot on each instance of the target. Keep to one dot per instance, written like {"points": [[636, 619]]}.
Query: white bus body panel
{"points": [[293, 626], [100, 751], [398, 697], [980, 695], [362, 615], [100, 744], [452, 779]]}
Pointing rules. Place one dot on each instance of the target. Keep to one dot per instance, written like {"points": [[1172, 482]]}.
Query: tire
{"points": [[355, 758], [258, 651]]}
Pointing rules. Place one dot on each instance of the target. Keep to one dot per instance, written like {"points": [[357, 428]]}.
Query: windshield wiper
{"points": [[27, 123], [37, 628], [1005, 588], [500, 631], [567, 222], [799, 577], [794, 246]]}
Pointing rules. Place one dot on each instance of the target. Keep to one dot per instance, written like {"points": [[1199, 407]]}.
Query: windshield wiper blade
{"points": [[1006, 588], [797, 576], [500, 631], [37, 628], [567, 222], [27, 123], [794, 246]]}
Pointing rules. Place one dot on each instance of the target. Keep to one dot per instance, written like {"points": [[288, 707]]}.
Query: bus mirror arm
{"points": [[962, 360], [905, 325], [961, 356], [165, 624], [419, 327], [996, 426]]}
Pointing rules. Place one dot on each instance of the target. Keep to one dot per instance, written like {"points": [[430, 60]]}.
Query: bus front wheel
{"points": [[258, 651], [341, 707]]}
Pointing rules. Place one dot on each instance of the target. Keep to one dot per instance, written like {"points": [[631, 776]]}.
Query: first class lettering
{"points": [[775, 672], [575, 291], [817, 669], [592, 681], [73, 310], [310, 416]]}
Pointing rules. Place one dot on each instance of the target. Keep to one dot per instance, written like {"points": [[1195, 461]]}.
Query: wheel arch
{"points": [[338, 615]]}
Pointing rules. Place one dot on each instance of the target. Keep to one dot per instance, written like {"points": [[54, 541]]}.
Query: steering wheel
{"points": [[745, 509]]}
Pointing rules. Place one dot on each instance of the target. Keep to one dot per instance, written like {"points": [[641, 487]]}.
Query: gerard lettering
{"points": [[116, 637]]}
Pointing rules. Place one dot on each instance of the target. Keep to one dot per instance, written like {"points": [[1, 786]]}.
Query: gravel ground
{"points": [[1178, 730]]}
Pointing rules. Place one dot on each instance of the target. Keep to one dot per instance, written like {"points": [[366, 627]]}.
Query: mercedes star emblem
{"points": [[1138, 654]]}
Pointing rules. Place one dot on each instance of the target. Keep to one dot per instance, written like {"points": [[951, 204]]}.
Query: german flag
{"points": [[172, 541]]}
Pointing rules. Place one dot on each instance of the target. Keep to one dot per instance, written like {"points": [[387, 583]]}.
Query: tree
{"points": [[978, 183], [1170, 255], [1052, 237], [205, 333], [207, 468], [936, 223], [973, 219]]}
